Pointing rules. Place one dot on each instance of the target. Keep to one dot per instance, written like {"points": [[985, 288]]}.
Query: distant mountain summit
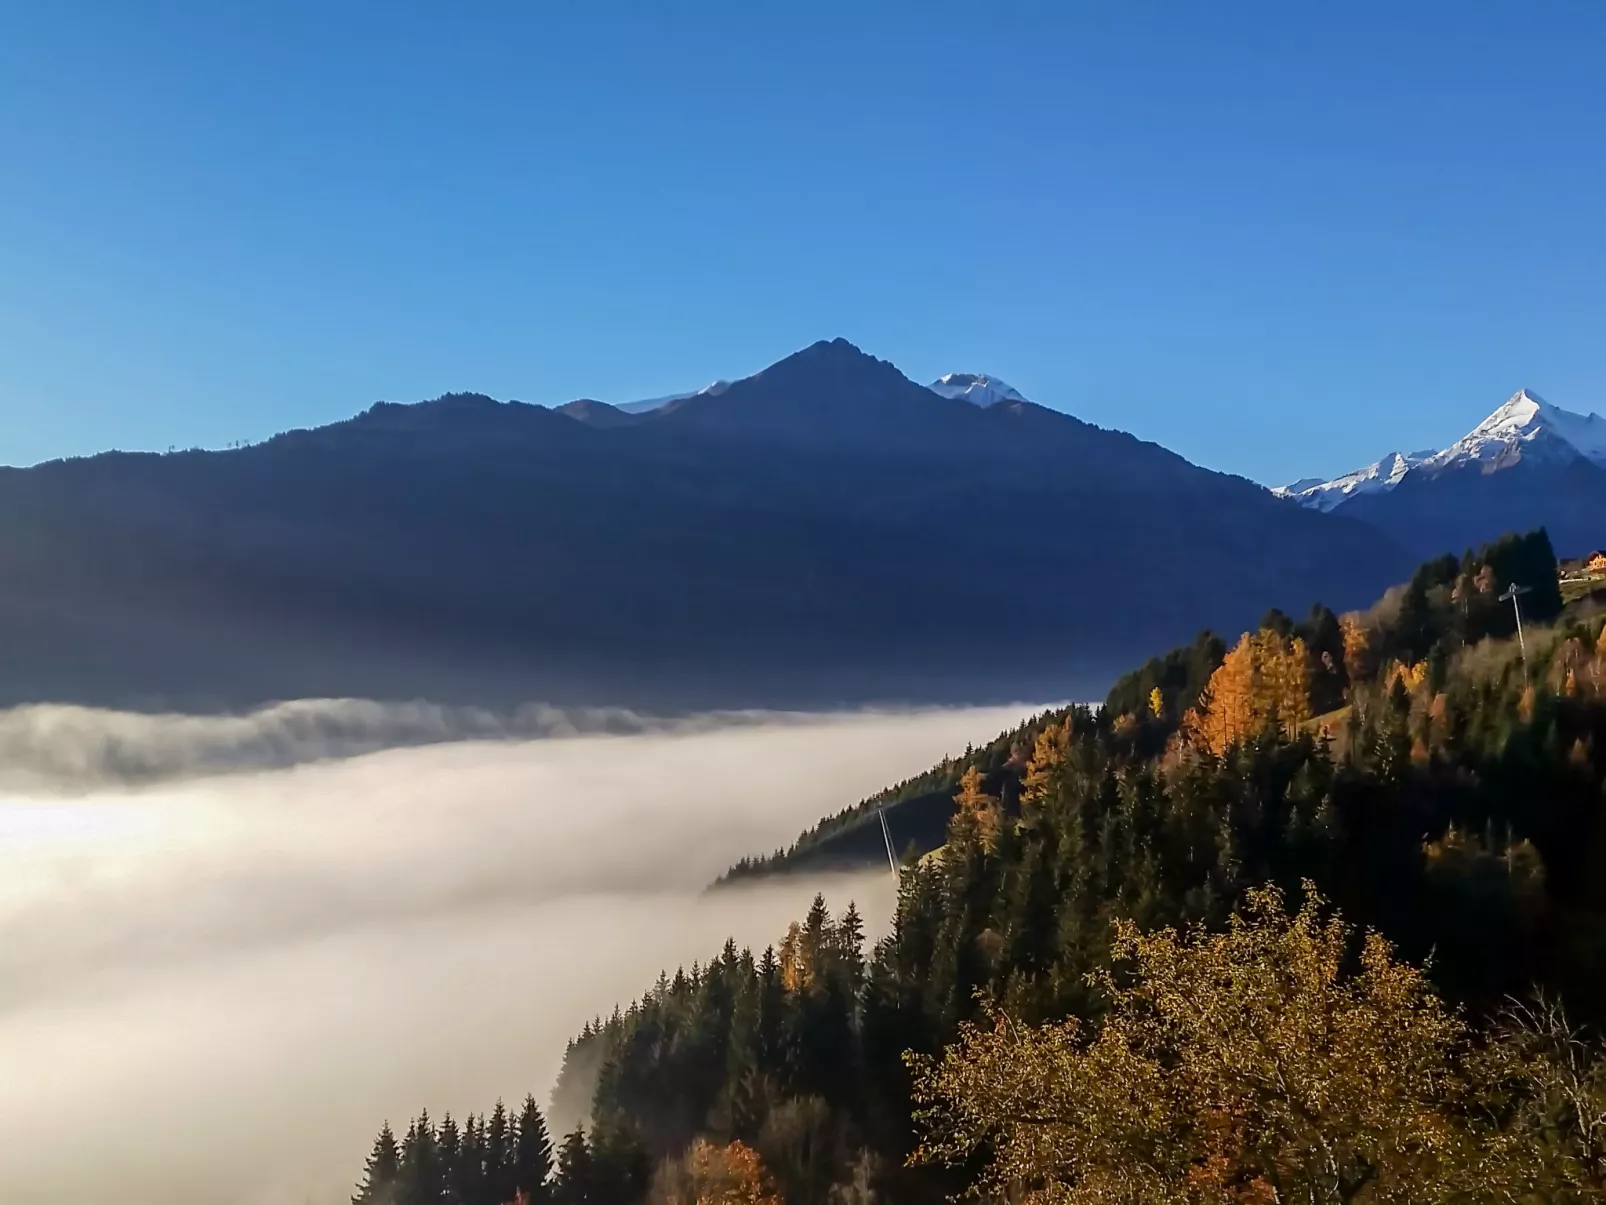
{"points": [[979, 388], [825, 531], [1528, 427], [1528, 458]]}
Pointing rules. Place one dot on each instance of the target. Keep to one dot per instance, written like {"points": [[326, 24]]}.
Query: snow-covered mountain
{"points": [[1529, 464], [1380, 475], [975, 387], [1528, 427], [1524, 428]]}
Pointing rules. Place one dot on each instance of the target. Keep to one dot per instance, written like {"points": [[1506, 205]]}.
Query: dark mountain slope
{"points": [[598, 414], [823, 532]]}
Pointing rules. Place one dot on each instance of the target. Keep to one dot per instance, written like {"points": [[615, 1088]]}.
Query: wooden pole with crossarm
{"points": [[1514, 592]]}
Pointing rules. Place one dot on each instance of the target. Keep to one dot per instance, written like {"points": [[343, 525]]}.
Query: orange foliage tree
{"points": [[1263, 685], [1357, 647], [717, 1175], [979, 808]]}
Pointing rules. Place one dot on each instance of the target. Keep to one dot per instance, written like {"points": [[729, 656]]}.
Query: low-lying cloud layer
{"points": [[229, 947]]}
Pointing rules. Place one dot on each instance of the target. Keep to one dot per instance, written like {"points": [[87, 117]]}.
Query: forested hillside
{"points": [[1124, 976]]}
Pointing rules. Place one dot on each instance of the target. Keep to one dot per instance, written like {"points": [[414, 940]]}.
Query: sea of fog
{"points": [[231, 947]]}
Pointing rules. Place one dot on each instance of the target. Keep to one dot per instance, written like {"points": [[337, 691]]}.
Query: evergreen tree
{"points": [[532, 1153], [499, 1180], [574, 1183], [421, 1180], [382, 1171]]}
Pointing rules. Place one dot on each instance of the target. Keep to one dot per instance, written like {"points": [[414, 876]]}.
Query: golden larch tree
{"points": [[1357, 647], [1048, 756], [797, 958], [979, 808], [1262, 685]]}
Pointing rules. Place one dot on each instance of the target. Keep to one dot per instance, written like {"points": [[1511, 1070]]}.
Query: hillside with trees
{"points": [[1314, 914]]}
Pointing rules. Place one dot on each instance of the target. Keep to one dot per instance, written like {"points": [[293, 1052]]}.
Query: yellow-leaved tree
{"points": [[1357, 647], [716, 1175], [978, 808], [1041, 779], [1250, 1065], [1262, 685]]}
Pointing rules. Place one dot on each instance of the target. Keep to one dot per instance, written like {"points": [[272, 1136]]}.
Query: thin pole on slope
{"points": [[886, 835], [1513, 593]]}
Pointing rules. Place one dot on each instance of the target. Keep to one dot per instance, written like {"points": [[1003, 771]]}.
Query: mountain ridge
{"points": [[824, 532]]}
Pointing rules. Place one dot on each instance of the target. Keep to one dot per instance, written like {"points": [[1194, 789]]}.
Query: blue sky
{"points": [[1281, 239]]}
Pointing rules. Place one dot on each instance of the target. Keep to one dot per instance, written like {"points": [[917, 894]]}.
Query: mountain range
{"points": [[824, 531], [1528, 464]]}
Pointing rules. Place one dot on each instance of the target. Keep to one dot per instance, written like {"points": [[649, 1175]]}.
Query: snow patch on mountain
{"points": [[1524, 427], [653, 403], [977, 387]]}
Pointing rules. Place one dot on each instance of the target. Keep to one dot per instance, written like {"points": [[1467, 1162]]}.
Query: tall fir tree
{"points": [[532, 1153], [382, 1171]]}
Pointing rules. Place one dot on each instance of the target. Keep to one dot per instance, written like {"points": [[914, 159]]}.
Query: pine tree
{"points": [[499, 1183], [470, 1185], [449, 1142], [420, 1181], [381, 1172], [574, 1183], [532, 1153]]}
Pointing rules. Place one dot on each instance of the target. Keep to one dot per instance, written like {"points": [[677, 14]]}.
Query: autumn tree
{"points": [[1049, 752], [708, 1174], [1262, 686], [1357, 647], [976, 807], [1241, 1066]]}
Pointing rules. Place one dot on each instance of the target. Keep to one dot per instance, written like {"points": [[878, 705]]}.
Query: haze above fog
{"points": [[230, 947]]}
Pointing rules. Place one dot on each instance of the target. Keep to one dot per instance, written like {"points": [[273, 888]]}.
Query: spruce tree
{"points": [[420, 1181], [574, 1183], [499, 1156], [532, 1153], [381, 1171]]}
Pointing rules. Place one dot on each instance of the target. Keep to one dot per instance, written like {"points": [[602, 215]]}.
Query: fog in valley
{"points": [[231, 947]]}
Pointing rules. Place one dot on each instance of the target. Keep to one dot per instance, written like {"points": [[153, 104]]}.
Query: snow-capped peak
{"points": [[1525, 427], [1526, 424], [975, 387]]}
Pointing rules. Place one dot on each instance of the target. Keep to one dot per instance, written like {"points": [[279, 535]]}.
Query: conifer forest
{"points": [[1313, 913]]}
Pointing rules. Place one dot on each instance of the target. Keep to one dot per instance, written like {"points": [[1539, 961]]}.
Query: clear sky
{"points": [[1279, 238]]}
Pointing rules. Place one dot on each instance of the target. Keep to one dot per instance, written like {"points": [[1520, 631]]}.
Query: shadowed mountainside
{"points": [[825, 531]]}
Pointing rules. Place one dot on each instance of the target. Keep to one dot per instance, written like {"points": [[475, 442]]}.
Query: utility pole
{"points": [[1514, 592], [886, 835]]}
